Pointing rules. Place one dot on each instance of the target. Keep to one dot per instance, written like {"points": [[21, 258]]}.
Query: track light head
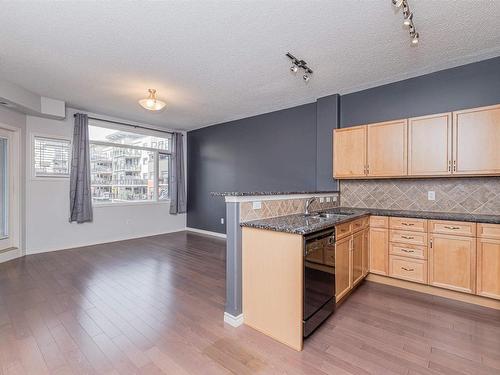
{"points": [[414, 39], [306, 77], [294, 68], [397, 3], [408, 17]]}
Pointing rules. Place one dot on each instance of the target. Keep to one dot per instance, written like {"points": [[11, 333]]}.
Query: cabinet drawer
{"points": [[412, 238], [457, 228], [488, 231], [411, 251], [408, 269], [379, 222], [343, 230], [359, 224], [402, 223]]}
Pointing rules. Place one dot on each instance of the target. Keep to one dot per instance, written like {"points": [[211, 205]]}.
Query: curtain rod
{"points": [[123, 123]]}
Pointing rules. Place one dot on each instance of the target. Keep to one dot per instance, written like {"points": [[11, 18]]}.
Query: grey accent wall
{"points": [[327, 119], [466, 86], [270, 152]]}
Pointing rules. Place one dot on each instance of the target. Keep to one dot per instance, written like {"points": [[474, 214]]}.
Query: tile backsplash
{"points": [[281, 207], [478, 195]]}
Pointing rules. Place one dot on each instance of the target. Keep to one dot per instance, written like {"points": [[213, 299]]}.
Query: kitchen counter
{"points": [[301, 224], [259, 193]]}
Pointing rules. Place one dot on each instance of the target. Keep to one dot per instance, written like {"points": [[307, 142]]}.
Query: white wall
{"points": [[47, 206]]}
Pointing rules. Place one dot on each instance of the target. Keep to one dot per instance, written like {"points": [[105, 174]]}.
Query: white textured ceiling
{"points": [[215, 61]]}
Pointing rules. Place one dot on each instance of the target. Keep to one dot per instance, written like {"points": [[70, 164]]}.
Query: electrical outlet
{"points": [[431, 195], [222, 220], [257, 205]]}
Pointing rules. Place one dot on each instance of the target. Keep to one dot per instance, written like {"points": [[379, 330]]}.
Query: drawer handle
{"points": [[407, 251], [449, 227], [343, 230], [407, 224], [407, 237], [408, 269]]}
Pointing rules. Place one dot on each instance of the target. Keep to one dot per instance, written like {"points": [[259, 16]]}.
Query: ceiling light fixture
{"points": [[407, 19], [300, 64], [152, 103]]}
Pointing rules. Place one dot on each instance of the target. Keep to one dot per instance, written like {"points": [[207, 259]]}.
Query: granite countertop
{"points": [[300, 224], [257, 193]]}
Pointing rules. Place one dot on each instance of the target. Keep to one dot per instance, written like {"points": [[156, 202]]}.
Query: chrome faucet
{"points": [[309, 201]]}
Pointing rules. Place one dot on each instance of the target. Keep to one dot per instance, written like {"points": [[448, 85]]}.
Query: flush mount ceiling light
{"points": [[152, 103], [407, 19], [300, 64]]}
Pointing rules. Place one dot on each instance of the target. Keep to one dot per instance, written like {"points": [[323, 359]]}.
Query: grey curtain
{"points": [[79, 195], [177, 177]]}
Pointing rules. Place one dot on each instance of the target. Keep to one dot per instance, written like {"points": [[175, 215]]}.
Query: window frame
{"points": [[157, 153], [49, 177]]}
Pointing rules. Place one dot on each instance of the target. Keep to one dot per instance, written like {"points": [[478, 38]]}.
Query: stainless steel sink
{"points": [[328, 216]]}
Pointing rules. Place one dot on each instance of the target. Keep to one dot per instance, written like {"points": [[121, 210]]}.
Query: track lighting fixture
{"points": [[300, 64], [407, 19]]}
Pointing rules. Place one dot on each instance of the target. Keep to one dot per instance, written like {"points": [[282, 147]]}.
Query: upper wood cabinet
{"points": [[459, 143], [386, 149], [476, 140], [349, 156], [429, 145]]}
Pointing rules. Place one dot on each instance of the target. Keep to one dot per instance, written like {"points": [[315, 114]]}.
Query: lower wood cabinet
{"points": [[357, 258], [366, 251], [408, 269], [488, 267], [379, 251], [452, 262], [343, 267]]}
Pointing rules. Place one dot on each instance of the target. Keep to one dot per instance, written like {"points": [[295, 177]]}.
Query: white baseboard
{"points": [[207, 232], [10, 254], [232, 320], [102, 242]]}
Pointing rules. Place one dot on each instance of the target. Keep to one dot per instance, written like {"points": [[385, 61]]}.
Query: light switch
{"points": [[222, 220], [257, 205], [431, 195]]}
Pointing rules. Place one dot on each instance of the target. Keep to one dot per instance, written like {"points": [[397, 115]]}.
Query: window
{"points": [[128, 166], [51, 157]]}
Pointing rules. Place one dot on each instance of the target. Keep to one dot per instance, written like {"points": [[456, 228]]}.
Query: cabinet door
{"points": [[379, 250], [343, 261], [476, 139], [357, 258], [488, 267], [429, 145], [349, 152], [452, 262], [365, 252], [386, 152]]}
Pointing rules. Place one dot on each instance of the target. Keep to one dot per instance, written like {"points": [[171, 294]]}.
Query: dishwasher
{"points": [[319, 279]]}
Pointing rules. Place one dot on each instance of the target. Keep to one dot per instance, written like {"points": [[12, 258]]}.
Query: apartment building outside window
{"points": [[128, 166]]}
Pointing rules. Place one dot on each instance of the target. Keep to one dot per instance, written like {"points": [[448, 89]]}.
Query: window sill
{"points": [[122, 204]]}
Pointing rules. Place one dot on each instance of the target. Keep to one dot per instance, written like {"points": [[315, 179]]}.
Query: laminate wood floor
{"points": [[155, 306]]}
